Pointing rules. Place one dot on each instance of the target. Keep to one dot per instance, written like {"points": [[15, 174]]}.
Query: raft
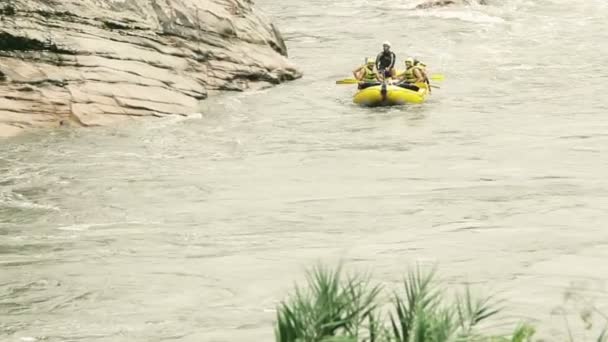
{"points": [[389, 95]]}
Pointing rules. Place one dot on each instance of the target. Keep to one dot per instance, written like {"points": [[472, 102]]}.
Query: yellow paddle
{"points": [[354, 81], [435, 77], [348, 81], [424, 85]]}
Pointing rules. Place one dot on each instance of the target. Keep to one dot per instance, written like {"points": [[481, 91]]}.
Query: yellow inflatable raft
{"points": [[389, 95]]}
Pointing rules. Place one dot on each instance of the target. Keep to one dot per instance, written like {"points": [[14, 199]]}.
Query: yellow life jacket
{"points": [[409, 74], [422, 68], [368, 74]]}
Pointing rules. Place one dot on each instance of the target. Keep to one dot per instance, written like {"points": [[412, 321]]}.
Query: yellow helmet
{"points": [[410, 61], [370, 60]]}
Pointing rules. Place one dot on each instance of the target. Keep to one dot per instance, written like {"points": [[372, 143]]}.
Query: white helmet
{"points": [[387, 43]]}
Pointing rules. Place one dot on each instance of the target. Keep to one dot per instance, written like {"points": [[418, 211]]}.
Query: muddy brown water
{"points": [[193, 229]]}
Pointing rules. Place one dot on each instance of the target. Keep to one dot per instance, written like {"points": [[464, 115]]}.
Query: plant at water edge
{"points": [[603, 336], [422, 314], [334, 308]]}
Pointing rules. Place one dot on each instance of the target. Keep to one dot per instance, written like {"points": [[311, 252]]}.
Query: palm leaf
{"points": [[603, 336]]}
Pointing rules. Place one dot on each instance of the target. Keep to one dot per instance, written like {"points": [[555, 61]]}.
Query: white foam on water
{"points": [[467, 15], [517, 67], [195, 116], [170, 120], [10, 199], [87, 226]]}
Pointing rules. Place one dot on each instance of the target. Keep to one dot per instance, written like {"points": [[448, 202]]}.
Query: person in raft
{"points": [[422, 67], [385, 62], [412, 74], [365, 74]]}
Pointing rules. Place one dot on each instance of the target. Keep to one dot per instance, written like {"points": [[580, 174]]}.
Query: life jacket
{"points": [[409, 73], [368, 75], [422, 67]]}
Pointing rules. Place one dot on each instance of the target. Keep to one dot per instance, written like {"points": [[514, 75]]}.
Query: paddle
{"points": [[435, 77], [422, 85], [354, 81], [348, 81]]}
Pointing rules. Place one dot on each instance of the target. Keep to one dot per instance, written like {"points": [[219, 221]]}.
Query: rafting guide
{"points": [[385, 61]]}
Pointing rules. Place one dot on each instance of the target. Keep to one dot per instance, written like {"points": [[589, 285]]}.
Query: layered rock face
{"points": [[94, 62]]}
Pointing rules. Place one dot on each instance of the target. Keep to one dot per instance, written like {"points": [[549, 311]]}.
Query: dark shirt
{"points": [[385, 60]]}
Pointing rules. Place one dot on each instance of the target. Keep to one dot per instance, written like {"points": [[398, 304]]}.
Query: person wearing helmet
{"points": [[422, 67], [365, 74], [385, 61], [413, 73]]}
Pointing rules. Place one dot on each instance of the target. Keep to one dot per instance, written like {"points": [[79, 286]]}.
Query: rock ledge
{"points": [[96, 62]]}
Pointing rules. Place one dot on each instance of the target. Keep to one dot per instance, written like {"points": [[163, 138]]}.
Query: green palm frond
{"points": [[334, 307], [603, 336], [330, 307], [472, 310], [523, 333]]}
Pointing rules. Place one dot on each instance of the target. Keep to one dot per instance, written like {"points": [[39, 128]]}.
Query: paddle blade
{"points": [[421, 85], [347, 81], [434, 77]]}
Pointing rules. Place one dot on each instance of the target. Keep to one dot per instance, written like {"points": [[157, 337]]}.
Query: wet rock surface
{"points": [[95, 62]]}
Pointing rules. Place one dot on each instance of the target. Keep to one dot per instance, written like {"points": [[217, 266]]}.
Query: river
{"points": [[193, 229]]}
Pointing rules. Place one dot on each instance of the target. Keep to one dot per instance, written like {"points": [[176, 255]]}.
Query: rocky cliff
{"points": [[95, 62]]}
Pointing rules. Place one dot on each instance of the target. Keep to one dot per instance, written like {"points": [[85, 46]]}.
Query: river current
{"points": [[193, 229]]}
